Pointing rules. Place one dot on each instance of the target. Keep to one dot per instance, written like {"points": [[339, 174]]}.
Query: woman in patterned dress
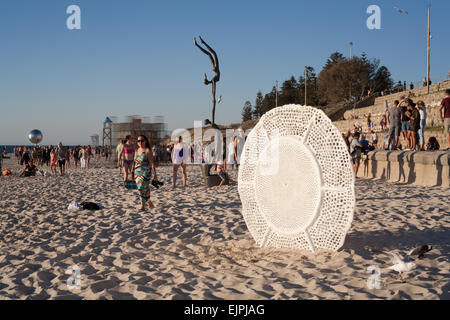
{"points": [[143, 167]]}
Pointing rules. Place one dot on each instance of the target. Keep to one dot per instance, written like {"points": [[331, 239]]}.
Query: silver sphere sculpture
{"points": [[35, 136]]}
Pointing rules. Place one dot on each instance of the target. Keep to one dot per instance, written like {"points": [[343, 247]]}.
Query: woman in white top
{"points": [[423, 121], [230, 154], [83, 155], [178, 156]]}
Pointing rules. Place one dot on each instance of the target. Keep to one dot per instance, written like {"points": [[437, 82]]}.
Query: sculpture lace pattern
{"points": [[296, 181]]}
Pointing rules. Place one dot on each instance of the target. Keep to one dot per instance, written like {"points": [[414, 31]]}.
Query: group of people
{"points": [[357, 144], [408, 119], [138, 160], [56, 157], [405, 118]]}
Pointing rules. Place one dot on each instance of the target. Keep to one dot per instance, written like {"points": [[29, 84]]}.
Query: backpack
{"points": [[89, 206]]}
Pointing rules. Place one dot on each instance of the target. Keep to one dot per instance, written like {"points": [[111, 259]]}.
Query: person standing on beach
{"points": [[98, 153], [239, 142], [127, 152], [143, 167], [118, 151], [62, 158], [178, 156], [394, 121], [445, 116], [82, 155], [423, 122], [76, 156], [53, 161], [414, 124], [355, 152], [25, 156], [20, 152], [68, 153]]}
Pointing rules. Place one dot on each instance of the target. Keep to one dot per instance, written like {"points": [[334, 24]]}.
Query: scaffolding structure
{"points": [[107, 133], [154, 128]]}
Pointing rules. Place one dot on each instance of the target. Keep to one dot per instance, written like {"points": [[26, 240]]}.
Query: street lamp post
{"points": [[428, 50]]}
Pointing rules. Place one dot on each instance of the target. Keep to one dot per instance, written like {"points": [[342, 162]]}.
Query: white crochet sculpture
{"points": [[296, 181]]}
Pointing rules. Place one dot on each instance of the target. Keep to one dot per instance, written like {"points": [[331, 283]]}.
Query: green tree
{"points": [[288, 94], [258, 110], [247, 111], [382, 80], [269, 101], [350, 80], [333, 59]]}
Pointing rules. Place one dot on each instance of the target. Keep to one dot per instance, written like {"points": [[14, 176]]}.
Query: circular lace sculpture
{"points": [[296, 181]]}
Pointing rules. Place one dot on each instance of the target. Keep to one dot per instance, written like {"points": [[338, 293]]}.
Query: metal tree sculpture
{"points": [[215, 64]]}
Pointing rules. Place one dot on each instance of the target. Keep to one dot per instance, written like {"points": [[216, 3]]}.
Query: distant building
{"points": [[153, 128]]}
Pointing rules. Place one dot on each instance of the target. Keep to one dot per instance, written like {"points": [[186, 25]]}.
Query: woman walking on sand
{"points": [[53, 161], [178, 156], [68, 154], [143, 168], [127, 151]]}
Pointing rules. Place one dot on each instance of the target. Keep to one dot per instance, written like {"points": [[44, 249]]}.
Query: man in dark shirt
{"points": [[62, 158], [25, 156], [445, 116]]}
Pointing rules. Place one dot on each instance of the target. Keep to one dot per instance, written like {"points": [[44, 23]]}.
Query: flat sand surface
{"points": [[195, 244]]}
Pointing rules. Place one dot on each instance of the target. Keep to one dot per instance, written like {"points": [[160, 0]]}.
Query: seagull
{"points": [[420, 251], [219, 100], [401, 10], [401, 266]]}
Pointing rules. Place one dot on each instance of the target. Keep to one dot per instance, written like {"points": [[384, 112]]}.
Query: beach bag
{"points": [[130, 184], [90, 206]]}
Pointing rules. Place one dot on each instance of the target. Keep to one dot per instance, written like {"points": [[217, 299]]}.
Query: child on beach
{"points": [[220, 169]]}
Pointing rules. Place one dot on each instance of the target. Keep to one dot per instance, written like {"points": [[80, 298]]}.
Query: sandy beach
{"points": [[195, 244]]}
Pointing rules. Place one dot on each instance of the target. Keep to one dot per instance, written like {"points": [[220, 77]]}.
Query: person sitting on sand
{"points": [[143, 168], [29, 170], [433, 144], [220, 169]]}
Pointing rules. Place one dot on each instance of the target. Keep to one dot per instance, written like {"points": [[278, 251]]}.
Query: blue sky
{"points": [[136, 57]]}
